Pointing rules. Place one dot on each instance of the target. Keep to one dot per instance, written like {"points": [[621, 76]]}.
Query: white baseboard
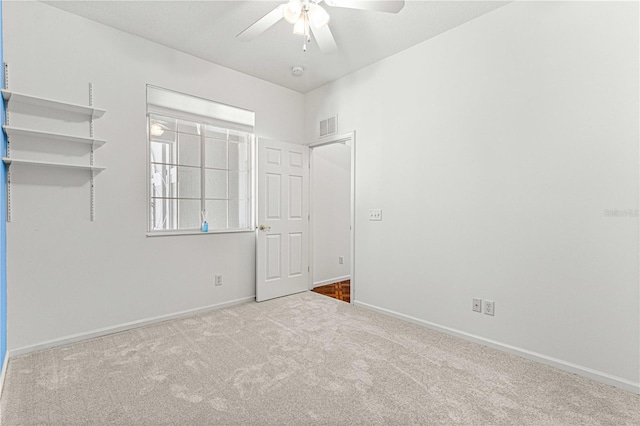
{"points": [[3, 374], [587, 372], [331, 281], [122, 327]]}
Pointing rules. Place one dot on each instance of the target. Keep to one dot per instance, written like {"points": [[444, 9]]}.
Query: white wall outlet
{"points": [[218, 280], [375, 214], [340, 260], [477, 305], [489, 307]]}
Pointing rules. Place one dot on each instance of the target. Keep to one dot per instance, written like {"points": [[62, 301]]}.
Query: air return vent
{"points": [[329, 126]]}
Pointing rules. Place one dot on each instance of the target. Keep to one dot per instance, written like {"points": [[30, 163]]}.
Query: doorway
{"points": [[332, 205]]}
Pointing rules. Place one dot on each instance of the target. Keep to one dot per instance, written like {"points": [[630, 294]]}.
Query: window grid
{"points": [[178, 184]]}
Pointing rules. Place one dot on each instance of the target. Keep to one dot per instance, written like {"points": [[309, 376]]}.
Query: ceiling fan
{"points": [[307, 16]]}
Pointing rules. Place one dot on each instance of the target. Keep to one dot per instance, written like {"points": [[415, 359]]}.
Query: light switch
{"points": [[375, 214]]}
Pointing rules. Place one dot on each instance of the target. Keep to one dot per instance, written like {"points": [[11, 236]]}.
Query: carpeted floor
{"points": [[298, 360]]}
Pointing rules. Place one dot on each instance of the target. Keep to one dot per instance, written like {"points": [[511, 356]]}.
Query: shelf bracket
{"points": [[93, 174], [8, 166], [93, 213], [8, 146], [6, 110]]}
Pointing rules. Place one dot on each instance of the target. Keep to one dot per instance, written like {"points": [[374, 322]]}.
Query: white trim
{"points": [[161, 101], [331, 281], [3, 374], [346, 138], [123, 327], [196, 232], [570, 367]]}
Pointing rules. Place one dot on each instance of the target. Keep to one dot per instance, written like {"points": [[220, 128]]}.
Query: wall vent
{"points": [[329, 126]]}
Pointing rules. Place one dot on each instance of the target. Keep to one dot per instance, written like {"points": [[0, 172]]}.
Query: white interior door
{"points": [[282, 254]]}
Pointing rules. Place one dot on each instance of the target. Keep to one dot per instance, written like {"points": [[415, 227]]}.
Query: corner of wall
{"points": [[3, 372]]}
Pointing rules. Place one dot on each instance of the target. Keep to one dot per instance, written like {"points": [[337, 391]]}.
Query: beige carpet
{"points": [[303, 359]]}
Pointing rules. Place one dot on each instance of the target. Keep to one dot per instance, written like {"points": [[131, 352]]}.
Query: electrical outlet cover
{"points": [[477, 305], [489, 307]]}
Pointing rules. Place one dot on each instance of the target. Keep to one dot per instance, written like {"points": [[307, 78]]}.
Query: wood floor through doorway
{"points": [[340, 290]]}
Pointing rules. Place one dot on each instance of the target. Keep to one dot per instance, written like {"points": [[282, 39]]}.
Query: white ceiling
{"points": [[207, 29]]}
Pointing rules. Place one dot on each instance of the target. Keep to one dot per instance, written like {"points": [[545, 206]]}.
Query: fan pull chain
{"points": [[307, 34]]}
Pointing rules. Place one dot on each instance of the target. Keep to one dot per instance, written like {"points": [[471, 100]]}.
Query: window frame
{"points": [[250, 172]]}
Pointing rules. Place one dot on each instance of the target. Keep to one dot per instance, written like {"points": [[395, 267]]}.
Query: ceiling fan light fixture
{"points": [[318, 16], [292, 11], [299, 26]]}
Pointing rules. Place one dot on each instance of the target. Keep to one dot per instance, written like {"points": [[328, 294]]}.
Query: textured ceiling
{"points": [[207, 29]]}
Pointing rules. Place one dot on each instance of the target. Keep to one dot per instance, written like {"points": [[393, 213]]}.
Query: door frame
{"points": [[343, 138]]}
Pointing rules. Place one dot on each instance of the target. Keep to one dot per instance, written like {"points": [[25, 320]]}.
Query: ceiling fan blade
{"points": [[390, 6], [261, 25], [324, 38]]}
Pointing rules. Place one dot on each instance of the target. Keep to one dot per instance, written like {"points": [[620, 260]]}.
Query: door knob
{"points": [[264, 228]]}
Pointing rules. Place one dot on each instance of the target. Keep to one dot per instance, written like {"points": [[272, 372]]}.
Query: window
{"points": [[200, 160]]}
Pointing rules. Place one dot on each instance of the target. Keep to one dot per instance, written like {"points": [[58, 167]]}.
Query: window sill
{"points": [[195, 232]]}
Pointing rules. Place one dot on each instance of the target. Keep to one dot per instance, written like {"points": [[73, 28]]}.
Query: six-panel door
{"points": [[282, 254]]}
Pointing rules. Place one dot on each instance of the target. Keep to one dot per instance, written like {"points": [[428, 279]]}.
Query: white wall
{"points": [[331, 212], [494, 150], [68, 275]]}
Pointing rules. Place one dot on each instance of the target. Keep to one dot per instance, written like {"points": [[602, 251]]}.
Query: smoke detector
{"points": [[297, 71]]}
